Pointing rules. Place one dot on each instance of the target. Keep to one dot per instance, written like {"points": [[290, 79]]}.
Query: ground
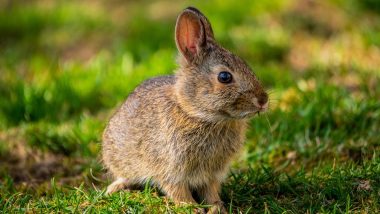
{"points": [[65, 66]]}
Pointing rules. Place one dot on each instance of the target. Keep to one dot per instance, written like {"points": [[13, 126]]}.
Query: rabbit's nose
{"points": [[262, 99]]}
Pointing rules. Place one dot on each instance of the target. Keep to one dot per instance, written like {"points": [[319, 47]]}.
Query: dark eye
{"points": [[225, 77]]}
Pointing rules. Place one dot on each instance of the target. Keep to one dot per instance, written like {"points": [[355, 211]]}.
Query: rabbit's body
{"points": [[151, 137], [182, 131]]}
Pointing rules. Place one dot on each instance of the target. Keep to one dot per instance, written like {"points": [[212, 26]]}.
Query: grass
{"points": [[65, 66]]}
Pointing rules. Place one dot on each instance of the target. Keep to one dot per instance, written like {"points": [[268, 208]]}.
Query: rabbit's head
{"points": [[213, 83]]}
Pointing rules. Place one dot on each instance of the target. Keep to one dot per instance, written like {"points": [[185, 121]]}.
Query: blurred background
{"points": [[65, 66]]}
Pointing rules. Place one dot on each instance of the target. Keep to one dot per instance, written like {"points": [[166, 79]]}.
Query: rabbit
{"points": [[180, 132]]}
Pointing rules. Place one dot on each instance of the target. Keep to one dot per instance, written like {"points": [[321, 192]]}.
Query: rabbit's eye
{"points": [[225, 77]]}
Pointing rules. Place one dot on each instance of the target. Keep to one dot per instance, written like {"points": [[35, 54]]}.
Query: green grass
{"points": [[65, 66]]}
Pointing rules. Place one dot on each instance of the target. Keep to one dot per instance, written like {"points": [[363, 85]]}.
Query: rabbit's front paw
{"points": [[118, 184]]}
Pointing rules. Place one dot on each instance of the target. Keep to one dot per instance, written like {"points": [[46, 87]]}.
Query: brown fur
{"points": [[182, 131]]}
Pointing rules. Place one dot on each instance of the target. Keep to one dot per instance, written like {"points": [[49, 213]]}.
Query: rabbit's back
{"points": [[134, 126]]}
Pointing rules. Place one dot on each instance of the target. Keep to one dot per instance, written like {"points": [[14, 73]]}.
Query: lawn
{"points": [[65, 67]]}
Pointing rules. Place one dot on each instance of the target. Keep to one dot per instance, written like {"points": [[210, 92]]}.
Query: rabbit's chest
{"points": [[208, 152], [207, 161]]}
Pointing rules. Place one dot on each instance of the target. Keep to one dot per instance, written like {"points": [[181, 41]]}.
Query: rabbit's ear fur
{"points": [[192, 33]]}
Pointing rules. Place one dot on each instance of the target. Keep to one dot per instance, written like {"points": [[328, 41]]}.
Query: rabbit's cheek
{"points": [[241, 104]]}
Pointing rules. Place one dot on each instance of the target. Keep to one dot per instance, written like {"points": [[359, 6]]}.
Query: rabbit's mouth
{"points": [[237, 115], [256, 111], [263, 108], [250, 114], [247, 114]]}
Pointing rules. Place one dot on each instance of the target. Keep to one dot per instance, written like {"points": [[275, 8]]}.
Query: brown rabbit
{"points": [[182, 131]]}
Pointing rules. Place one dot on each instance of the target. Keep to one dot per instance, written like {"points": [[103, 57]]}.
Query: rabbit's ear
{"points": [[192, 32]]}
